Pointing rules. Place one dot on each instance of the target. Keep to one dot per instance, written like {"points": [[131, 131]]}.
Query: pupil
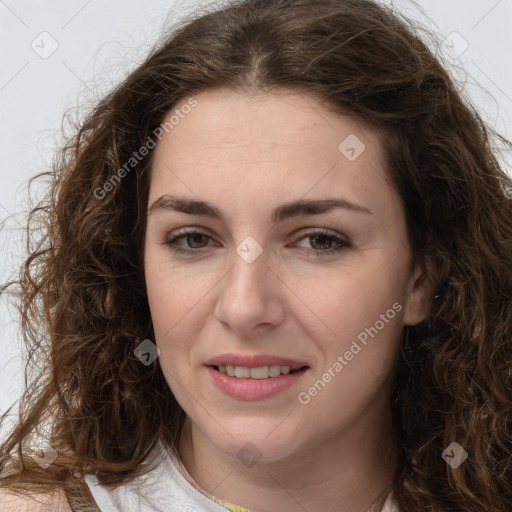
{"points": [[321, 236], [194, 237]]}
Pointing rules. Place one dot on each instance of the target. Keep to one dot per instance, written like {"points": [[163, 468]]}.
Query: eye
{"points": [[197, 241], [192, 237], [321, 238]]}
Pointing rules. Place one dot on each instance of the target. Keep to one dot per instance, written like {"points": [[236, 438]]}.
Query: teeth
{"points": [[260, 372], [242, 372], [274, 370]]}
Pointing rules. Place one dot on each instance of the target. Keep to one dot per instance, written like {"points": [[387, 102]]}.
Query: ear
{"points": [[418, 296]]}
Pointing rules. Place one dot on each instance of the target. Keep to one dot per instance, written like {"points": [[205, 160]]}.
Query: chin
{"points": [[252, 445]]}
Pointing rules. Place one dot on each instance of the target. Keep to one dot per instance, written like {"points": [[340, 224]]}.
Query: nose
{"points": [[251, 295]]}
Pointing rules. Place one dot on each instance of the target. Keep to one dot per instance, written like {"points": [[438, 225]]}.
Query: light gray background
{"points": [[100, 42]]}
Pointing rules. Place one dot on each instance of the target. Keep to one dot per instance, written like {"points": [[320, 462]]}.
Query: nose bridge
{"points": [[248, 293], [250, 266]]}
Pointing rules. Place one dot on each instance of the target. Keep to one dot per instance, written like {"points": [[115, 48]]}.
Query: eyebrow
{"points": [[282, 212]]}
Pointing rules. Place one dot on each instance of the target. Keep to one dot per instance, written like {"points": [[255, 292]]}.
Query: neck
{"points": [[344, 472]]}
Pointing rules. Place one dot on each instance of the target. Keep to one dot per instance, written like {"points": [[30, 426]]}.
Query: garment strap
{"points": [[80, 498]]}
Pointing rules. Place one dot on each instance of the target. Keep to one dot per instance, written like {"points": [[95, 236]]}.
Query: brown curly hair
{"points": [[82, 294]]}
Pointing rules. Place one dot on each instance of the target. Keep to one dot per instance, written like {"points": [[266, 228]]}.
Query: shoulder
{"points": [[11, 502], [390, 505]]}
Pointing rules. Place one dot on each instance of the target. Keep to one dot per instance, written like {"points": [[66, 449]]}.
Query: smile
{"points": [[257, 383], [260, 372]]}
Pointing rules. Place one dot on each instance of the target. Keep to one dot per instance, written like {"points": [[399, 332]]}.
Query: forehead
{"points": [[224, 121], [256, 145]]}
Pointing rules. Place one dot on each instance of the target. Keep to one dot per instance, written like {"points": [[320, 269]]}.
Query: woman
{"points": [[251, 371]]}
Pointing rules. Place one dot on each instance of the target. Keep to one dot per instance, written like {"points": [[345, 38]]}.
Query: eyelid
{"points": [[342, 240], [308, 229], [315, 229]]}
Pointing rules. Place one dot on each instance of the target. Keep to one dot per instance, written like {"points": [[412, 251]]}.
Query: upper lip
{"points": [[253, 361]]}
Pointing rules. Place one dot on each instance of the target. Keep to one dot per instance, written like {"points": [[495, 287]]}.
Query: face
{"points": [[293, 270]]}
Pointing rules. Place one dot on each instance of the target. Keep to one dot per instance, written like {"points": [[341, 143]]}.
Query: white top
{"points": [[163, 489]]}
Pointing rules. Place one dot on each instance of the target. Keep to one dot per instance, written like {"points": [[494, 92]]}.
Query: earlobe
{"points": [[418, 298]]}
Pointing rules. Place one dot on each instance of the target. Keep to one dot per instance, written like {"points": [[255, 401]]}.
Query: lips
{"points": [[254, 361], [260, 372], [244, 377]]}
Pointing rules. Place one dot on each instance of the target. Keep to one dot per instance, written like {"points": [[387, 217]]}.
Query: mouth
{"points": [[254, 377], [258, 372]]}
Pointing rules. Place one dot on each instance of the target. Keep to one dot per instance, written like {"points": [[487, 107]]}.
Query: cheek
{"points": [[172, 290], [357, 329], [172, 309], [357, 360], [179, 304], [338, 305]]}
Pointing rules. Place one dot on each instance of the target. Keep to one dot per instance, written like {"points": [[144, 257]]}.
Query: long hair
{"points": [[81, 291]]}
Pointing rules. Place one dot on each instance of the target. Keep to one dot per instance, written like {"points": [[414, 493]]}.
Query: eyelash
{"points": [[171, 243]]}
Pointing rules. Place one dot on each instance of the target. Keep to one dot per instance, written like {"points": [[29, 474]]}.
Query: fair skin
{"points": [[56, 502], [247, 155]]}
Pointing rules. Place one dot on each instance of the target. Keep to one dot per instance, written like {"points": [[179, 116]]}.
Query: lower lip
{"points": [[254, 389]]}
